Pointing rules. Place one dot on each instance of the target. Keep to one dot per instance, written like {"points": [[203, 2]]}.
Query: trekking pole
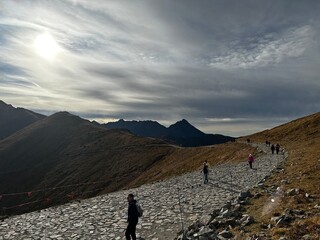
{"points": [[256, 169], [44, 213], [270, 163], [181, 216]]}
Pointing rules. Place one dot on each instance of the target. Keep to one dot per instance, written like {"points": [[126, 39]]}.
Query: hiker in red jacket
{"points": [[250, 160]]}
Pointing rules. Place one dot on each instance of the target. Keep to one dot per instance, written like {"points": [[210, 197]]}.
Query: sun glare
{"points": [[46, 46]]}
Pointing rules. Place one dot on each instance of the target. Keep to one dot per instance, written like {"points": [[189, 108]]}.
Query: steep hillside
{"points": [[63, 150], [181, 133], [13, 119], [302, 140]]}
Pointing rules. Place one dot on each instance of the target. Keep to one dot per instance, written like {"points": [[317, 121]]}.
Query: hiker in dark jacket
{"points": [[205, 171], [272, 148], [277, 148], [133, 217]]}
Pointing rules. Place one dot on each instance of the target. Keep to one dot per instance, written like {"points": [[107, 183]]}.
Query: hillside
{"points": [[181, 133], [64, 149], [301, 171], [13, 119]]}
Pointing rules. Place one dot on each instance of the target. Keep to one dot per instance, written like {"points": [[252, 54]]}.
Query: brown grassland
{"points": [[183, 160], [301, 138]]}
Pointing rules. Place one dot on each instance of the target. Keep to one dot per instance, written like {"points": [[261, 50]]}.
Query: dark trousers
{"points": [[131, 231], [205, 176], [250, 164]]}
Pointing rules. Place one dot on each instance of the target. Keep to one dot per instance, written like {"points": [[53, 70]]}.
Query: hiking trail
{"points": [[104, 217]]}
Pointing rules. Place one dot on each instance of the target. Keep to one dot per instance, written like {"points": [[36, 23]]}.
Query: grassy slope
{"points": [[183, 160], [302, 170]]}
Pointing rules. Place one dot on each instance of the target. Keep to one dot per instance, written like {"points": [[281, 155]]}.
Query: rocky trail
{"points": [[168, 205]]}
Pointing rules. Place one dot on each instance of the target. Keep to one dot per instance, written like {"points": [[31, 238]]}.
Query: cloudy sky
{"points": [[231, 67]]}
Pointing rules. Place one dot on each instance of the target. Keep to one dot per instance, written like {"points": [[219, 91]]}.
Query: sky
{"points": [[229, 67]]}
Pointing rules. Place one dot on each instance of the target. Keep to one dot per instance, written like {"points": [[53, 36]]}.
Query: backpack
{"points": [[139, 210]]}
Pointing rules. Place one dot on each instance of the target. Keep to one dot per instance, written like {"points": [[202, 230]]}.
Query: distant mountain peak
{"points": [[184, 122], [182, 132], [183, 128]]}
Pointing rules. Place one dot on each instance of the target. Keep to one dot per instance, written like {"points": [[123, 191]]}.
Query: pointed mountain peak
{"points": [[183, 121], [184, 129]]}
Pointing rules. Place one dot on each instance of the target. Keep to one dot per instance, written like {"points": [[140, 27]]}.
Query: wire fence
{"points": [[46, 196]]}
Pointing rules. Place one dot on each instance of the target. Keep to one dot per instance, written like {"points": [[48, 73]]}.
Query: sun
{"points": [[46, 46]]}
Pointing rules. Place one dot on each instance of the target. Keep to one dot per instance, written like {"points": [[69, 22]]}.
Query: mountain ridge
{"points": [[14, 119], [181, 133]]}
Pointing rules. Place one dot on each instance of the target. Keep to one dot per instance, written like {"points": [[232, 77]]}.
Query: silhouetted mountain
{"points": [[140, 128], [181, 133], [183, 129], [13, 119]]}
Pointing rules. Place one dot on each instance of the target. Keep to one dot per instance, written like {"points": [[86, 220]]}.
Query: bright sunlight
{"points": [[46, 46]]}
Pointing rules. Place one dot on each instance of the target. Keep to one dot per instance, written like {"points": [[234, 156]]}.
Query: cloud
{"points": [[267, 50], [165, 60]]}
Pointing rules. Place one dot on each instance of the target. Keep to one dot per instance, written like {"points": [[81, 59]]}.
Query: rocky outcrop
{"points": [[222, 220]]}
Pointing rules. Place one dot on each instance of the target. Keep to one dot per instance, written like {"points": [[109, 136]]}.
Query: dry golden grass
{"points": [[307, 226], [182, 160], [302, 139]]}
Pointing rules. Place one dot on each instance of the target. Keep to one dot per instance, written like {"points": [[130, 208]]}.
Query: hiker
{"points": [[133, 216], [250, 160], [205, 171], [277, 148], [248, 140], [272, 148]]}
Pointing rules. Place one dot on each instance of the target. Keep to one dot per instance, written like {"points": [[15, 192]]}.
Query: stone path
{"points": [[104, 217]]}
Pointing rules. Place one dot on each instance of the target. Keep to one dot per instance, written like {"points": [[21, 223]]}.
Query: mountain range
{"points": [[181, 133], [62, 154], [65, 150]]}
